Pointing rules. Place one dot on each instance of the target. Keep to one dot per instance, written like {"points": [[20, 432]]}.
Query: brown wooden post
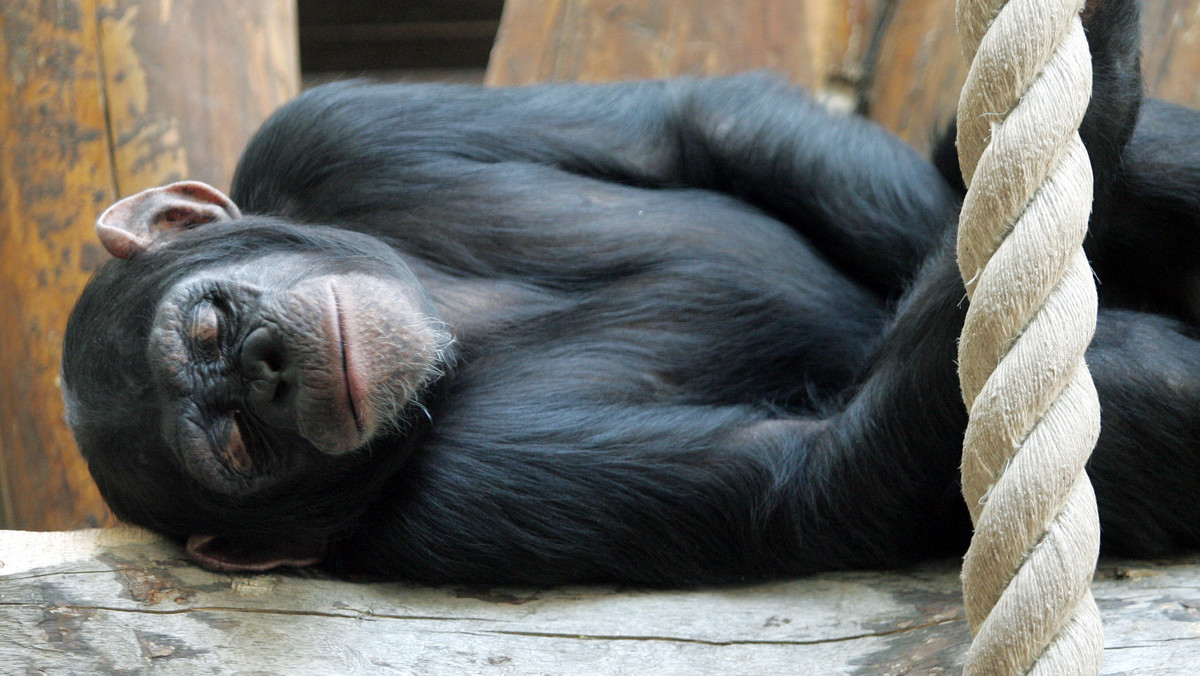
{"points": [[100, 99], [918, 71], [1171, 50]]}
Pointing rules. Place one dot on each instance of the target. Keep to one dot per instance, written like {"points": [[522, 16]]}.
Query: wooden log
{"points": [[57, 176], [123, 601], [188, 82], [818, 43], [100, 99]]}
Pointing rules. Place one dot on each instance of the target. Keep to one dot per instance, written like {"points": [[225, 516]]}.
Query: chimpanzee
{"points": [[666, 333]]}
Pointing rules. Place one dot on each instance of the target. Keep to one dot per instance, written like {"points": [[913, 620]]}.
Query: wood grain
{"points": [[920, 68], [899, 62], [124, 601], [814, 42], [100, 99], [188, 82], [57, 175], [918, 71], [1171, 50]]}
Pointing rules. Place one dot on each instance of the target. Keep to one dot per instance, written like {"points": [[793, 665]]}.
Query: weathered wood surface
{"points": [[100, 99], [123, 601]]}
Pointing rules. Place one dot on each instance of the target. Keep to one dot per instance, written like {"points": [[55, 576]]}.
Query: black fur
{"points": [[715, 338]]}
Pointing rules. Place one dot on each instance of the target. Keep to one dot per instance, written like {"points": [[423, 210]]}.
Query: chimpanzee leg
{"points": [[1145, 241]]}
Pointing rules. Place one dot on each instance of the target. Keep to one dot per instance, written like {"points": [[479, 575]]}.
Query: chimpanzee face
{"points": [[249, 356], [232, 355]]}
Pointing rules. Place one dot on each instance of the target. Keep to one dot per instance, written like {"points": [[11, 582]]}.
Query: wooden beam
{"points": [[58, 174], [123, 600], [100, 99], [899, 62], [818, 43], [188, 82], [917, 73], [919, 68]]}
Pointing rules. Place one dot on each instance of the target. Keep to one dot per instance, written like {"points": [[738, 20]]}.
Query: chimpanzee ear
{"points": [[228, 555], [143, 220]]}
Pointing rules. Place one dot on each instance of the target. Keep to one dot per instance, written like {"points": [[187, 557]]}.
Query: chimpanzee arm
{"points": [[553, 492], [864, 198], [553, 482]]}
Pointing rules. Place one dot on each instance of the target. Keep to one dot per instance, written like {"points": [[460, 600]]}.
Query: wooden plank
{"points": [[919, 70], [99, 99], [1171, 50], [57, 175], [898, 62], [819, 43], [526, 42], [188, 82], [122, 600]]}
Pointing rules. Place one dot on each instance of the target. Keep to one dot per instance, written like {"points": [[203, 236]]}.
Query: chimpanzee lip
{"points": [[348, 375], [353, 381], [332, 408]]}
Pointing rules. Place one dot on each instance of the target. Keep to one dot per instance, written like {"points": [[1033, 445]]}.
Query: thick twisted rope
{"points": [[1034, 412]]}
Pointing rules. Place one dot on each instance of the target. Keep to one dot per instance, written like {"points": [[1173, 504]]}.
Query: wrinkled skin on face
{"points": [[261, 370], [267, 346]]}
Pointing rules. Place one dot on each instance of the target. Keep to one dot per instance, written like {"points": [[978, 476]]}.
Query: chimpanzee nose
{"points": [[269, 377]]}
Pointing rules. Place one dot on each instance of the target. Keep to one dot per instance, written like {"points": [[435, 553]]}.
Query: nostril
{"points": [[265, 371], [262, 355], [273, 360]]}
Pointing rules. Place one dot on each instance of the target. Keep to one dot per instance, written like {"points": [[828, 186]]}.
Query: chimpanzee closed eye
{"points": [[662, 332]]}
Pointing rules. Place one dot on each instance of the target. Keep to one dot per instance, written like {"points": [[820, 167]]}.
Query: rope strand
{"points": [[1034, 414]]}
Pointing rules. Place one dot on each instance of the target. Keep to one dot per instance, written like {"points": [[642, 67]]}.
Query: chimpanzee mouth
{"points": [[366, 354], [350, 379]]}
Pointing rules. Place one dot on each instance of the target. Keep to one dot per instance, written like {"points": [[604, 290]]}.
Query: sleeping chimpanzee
{"points": [[666, 333]]}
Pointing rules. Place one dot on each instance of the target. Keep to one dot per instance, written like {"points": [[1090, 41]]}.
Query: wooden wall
{"points": [[100, 99], [898, 61]]}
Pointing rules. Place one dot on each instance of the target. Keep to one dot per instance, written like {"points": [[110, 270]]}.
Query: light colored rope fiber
{"points": [[1034, 414]]}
